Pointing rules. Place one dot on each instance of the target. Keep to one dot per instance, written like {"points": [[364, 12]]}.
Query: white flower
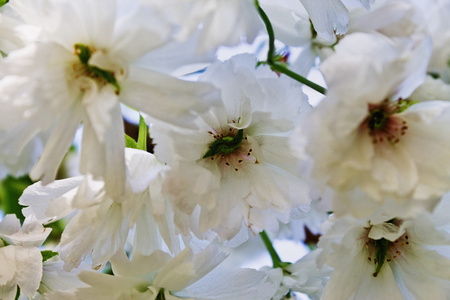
{"points": [[20, 258], [14, 33], [432, 89], [101, 224], [330, 16], [79, 71], [367, 136], [394, 259], [436, 14], [305, 218], [303, 276], [54, 278], [392, 18], [223, 22], [236, 166], [160, 276]]}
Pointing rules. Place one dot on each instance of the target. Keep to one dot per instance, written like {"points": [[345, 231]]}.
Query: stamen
{"points": [[382, 122]]}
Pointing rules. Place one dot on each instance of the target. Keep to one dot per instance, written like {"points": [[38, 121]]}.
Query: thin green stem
{"points": [[282, 69], [271, 54], [277, 263], [270, 32]]}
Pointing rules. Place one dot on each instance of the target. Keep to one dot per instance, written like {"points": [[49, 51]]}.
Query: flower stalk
{"points": [[278, 67], [276, 260]]}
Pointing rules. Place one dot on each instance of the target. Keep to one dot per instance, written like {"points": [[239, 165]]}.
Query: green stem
{"points": [[282, 69], [270, 32], [271, 53], [277, 263]]}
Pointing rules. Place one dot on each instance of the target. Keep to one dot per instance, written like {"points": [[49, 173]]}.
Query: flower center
{"points": [[82, 68], [230, 149], [383, 250], [225, 145], [378, 119], [383, 123]]}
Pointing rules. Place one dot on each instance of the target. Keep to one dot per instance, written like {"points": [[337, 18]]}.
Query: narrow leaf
{"points": [[143, 134], [130, 142]]}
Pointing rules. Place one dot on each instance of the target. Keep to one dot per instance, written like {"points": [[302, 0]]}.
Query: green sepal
{"points": [[434, 75], [404, 104], [130, 142], [283, 265], [3, 2], [5, 243], [313, 30], [142, 135], [381, 247], [17, 293], [226, 145], [160, 295], [47, 254]]}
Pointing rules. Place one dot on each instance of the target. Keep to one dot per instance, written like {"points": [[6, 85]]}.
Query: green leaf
{"points": [[143, 134], [130, 142], [47, 254], [11, 189], [3, 2]]}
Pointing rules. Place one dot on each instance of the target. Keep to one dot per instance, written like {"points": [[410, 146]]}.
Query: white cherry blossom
{"points": [[81, 68], [101, 224], [303, 276], [367, 136], [391, 259], [188, 275], [219, 22], [331, 16], [20, 258], [236, 166]]}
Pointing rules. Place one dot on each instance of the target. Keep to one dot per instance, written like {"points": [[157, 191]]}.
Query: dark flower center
{"points": [[383, 123]]}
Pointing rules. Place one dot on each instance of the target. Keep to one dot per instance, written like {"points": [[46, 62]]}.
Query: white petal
{"points": [[143, 168], [51, 202], [387, 231], [57, 145], [29, 269], [178, 273], [231, 283], [326, 16]]}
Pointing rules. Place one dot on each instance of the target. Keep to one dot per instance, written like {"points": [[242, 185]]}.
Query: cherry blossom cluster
{"points": [[238, 148]]}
